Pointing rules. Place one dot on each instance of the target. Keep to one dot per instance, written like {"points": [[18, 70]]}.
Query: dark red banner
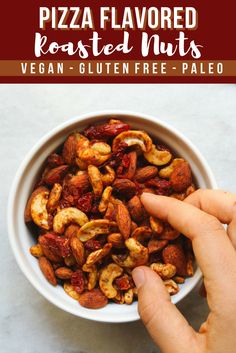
{"points": [[194, 41]]}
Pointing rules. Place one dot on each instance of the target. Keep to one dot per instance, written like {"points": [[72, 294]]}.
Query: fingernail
{"points": [[138, 277]]}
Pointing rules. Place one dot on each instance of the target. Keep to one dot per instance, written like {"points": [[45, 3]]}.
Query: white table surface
{"points": [[204, 113]]}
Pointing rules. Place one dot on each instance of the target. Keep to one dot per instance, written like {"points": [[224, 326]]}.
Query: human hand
{"points": [[199, 218]]}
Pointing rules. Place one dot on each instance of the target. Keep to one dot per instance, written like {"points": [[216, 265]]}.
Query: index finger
{"points": [[213, 249]]}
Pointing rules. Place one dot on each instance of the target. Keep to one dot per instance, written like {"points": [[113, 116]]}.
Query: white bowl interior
{"points": [[21, 238]]}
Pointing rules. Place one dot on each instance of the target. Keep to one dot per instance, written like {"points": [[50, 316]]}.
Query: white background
{"points": [[206, 114]]}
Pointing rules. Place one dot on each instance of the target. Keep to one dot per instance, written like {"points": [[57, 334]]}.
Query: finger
{"points": [[165, 323], [218, 203], [213, 249]]}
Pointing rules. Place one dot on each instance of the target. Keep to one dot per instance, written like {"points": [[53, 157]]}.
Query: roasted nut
{"points": [[157, 157], [70, 290], [132, 164], [141, 234], [39, 213], [92, 275], [181, 177], [169, 233], [133, 137], [105, 199], [165, 271], [156, 225], [47, 252], [93, 228], [77, 248], [138, 255], [95, 179], [72, 230], [167, 171], [123, 220], [55, 175], [107, 276], [116, 239], [189, 268], [54, 197], [97, 255], [146, 173], [101, 147], [79, 181], [36, 250], [70, 260], [173, 254], [92, 157], [171, 286], [155, 245], [93, 299], [47, 270], [63, 273], [136, 209], [119, 298], [109, 177], [178, 279], [129, 296], [110, 212], [27, 213], [66, 216], [124, 187]]}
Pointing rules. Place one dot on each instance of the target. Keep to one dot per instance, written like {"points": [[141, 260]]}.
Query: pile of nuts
{"points": [[91, 226]]}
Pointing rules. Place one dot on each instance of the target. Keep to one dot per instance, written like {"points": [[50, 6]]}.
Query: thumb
{"points": [[166, 325]]}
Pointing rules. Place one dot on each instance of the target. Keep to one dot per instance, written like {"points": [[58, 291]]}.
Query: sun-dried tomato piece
{"points": [[105, 131], [92, 245], [57, 244], [55, 160], [117, 156], [78, 281], [123, 283], [84, 203]]}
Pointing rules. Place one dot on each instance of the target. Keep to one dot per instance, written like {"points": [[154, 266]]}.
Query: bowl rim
{"points": [[21, 168]]}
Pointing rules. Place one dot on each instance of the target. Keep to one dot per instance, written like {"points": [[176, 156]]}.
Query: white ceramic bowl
{"points": [[21, 238]]}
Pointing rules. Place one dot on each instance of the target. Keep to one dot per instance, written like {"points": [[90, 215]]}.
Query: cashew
{"points": [[107, 276], [54, 197], [36, 250], [38, 210], [95, 179], [97, 255], [129, 296], [101, 147], [82, 143], [133, 137], [167, 171], [105, 199], [142, 233], [90, 156], [156, 225], [70, 290], [156, 157], [165, 271], [109, 177], [138, 255], [66, 216], [92, 275], [93, 228], [171, 286]]}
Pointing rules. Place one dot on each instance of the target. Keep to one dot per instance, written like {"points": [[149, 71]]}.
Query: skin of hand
{"points": [[199, 217]]}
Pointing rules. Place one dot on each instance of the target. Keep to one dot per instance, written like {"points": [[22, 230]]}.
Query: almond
{"points": [[47, 270], [55, 175], [72, 230], [181, 177], [155, 245], [123, 220], [174, 255], [63, 273], [136, 209], [77, 248], [93, 299], [124, 187], [116, 239], [146, 173], [79, 181], [46, 251], [69, 150]]}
